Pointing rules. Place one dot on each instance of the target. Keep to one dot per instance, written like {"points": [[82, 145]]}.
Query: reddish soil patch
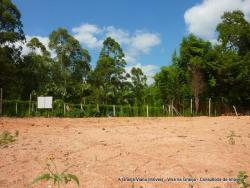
{"points": [[104, 149]]}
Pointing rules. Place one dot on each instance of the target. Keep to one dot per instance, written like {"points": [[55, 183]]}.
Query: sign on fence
{"points": [[44, 102]]}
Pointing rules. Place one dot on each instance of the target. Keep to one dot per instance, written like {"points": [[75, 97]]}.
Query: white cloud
{"points": [[134, 44], [203, 18], [148, 70], [144, 41], [119, 35], [87, 34]]}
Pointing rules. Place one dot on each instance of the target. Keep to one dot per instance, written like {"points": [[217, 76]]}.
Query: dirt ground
{"points": [[108, 152]]}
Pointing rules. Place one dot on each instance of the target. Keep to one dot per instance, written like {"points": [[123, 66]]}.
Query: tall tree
{"points": [[193, 53], [233, 72], [10, 33], [37, 66], [73, 62], [34, 44], [139, 84], [109, 74], [234, 32]]}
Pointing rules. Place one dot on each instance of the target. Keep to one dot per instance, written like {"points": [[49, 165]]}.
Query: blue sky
{"points": [[148, 30]]}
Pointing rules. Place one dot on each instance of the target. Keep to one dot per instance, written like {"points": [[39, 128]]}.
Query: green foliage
{"points": [[56, 177], [199, 70], [138, 85], [242, 179], [234, 32], [10, 21], [6, 138], [10, 33], [109, 76], [34, 44]]}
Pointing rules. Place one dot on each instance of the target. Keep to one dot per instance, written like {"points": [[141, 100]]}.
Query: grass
{"points": [[56, 177], [242, 179], [231, 137], [7, 138]]}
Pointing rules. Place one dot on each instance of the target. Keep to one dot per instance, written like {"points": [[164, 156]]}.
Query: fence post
{"points": [[1, 101], [114, 113], [169, 109], [172, 108], [183, 108], [97, 108], [147, 110], [16, 108], [235, 110], [209, 107], [191, 106], [64, 109], [29, 104]]}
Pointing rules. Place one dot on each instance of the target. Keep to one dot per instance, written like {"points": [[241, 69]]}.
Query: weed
{"points": [[6, 138], [242, 177], [231, 139], [55, 176]]}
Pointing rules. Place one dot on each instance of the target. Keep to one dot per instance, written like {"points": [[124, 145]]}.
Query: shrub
{"points": [[242, 176], [55, 176], [6, 138]]}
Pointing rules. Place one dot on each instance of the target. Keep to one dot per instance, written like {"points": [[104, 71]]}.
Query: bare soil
{"points": [[106, 149]]}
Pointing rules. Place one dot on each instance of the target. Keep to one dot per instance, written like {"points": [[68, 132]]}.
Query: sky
{"points": [[148, 30]]}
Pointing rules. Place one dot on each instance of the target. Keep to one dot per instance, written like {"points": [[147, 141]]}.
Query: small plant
{"points": [[242, 177], [231, 139], [55, 176], [6, 138]]}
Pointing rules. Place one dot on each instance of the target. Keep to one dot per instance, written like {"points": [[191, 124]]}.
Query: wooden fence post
{"points": [[147, 110], [97, 108], [1, 101], [172, 108], [191, 106], [235, 111], [16, 108], [64, 109], [169, 109], [29, 104], [209, 107], [114, 112]]}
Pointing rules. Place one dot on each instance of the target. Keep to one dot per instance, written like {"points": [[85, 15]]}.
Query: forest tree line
{"points": [[199, 69]]}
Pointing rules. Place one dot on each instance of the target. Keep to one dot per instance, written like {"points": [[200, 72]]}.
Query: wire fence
{"points": [[17, 108]]}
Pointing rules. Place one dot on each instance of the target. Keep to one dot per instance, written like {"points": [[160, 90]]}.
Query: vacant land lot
{"points": [[105, 149]]}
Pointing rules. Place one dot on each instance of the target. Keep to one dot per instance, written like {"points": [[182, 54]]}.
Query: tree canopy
{"points": [[198, 69]]}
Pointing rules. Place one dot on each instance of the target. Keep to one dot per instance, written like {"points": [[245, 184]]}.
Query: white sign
{"points": [[44, 102]]}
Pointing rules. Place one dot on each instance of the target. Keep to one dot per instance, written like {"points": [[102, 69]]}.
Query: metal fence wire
{"points": [[19, 108]]}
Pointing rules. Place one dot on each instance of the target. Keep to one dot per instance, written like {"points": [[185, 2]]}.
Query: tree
{"points": [[233, 58], [10, 33], [36, 66], [11, 26], [72, 65], [138, 84], [109, 74], [234, 32], [34, 44], [193, 53]]}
